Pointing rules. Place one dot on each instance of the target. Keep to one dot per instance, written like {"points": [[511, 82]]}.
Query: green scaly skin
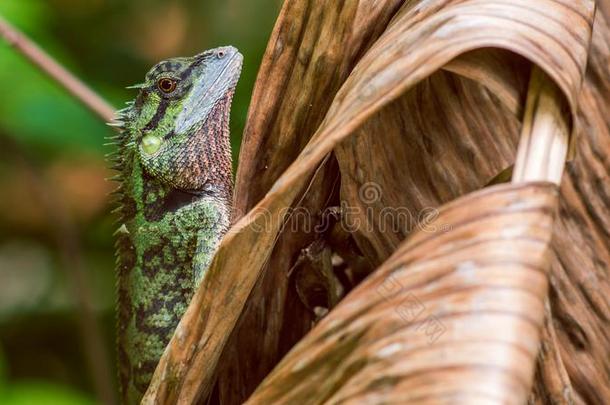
{"points": [[175, 191]]}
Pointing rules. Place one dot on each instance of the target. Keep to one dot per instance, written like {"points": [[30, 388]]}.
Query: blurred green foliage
{"points": [[51, 158], [39, 393]]}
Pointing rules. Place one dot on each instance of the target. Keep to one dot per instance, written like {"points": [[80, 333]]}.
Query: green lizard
{"points": [[175, 174]]}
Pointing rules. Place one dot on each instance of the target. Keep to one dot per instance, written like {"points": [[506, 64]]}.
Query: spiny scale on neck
{"points": [[174, 196]]}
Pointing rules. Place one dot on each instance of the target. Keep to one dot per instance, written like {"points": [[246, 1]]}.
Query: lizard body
{"points": [[175, 174]]}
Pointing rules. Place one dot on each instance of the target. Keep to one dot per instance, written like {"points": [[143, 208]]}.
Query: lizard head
{"points": [[180, 118]]}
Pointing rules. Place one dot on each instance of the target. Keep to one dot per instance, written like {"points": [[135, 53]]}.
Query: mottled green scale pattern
{"points": [[174, 202], [160, 279]]}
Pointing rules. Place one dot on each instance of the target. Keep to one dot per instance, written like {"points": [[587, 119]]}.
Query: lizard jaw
{"points": [[219, 80]]}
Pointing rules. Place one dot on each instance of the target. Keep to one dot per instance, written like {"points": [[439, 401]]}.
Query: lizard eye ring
{"points": [[166, 85]]}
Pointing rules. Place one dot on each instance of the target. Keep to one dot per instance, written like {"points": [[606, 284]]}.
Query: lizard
{"points": [[173, 158]]}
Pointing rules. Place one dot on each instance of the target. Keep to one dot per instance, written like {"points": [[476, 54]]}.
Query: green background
{"points": [[54, 204]]}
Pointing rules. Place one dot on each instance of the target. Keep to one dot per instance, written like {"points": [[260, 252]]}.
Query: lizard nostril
{"points": [[220, 54]]}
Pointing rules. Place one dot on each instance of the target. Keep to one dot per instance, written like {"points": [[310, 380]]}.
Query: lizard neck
{"points": [[217, 149], [196, 161]]}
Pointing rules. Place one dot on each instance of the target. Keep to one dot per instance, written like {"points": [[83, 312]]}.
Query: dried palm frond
{"points": [[425, 101]]}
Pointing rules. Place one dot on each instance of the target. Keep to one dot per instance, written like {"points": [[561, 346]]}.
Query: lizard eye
{"points": [[166, 85]]}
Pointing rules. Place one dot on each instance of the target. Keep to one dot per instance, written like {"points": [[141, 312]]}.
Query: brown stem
{"points": [[545, 135], [55, 71]]}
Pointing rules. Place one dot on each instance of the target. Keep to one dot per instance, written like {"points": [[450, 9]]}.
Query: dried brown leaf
{"points": [[422, 38]]}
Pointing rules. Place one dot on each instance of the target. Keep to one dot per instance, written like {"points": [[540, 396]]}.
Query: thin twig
{"points": [[55, 71], [64, 230]]}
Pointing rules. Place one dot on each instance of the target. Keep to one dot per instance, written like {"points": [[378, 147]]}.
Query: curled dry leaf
{"points": [[424, 99], [452, 317]]}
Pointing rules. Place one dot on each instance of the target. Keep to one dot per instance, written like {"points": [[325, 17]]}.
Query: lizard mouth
{"points": [[218, 81]]}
